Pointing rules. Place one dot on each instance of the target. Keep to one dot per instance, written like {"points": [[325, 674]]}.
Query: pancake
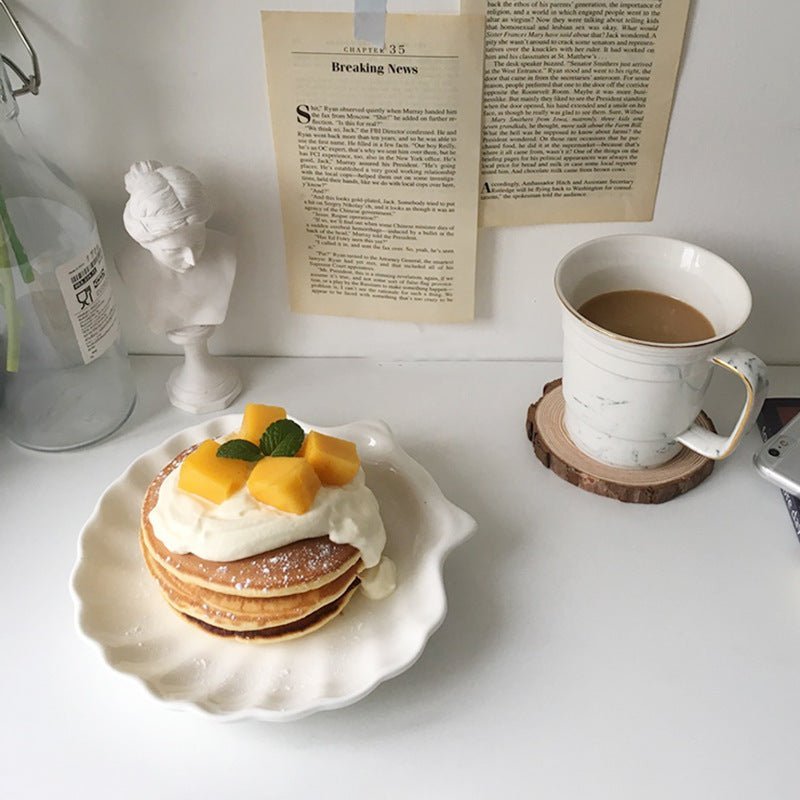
{"points": [[236, 613], [283, 632], [272, 596]]}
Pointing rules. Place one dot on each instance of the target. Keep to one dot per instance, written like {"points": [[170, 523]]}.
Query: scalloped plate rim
{"points": [[462, 527]]}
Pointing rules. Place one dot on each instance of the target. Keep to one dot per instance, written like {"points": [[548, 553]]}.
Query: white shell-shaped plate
{"points": [[119, 607]]}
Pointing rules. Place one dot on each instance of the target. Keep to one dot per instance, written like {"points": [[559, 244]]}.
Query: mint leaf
{"points": [[241, 449], [282, 438]]}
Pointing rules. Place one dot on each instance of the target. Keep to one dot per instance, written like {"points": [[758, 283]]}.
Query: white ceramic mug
{"points": [[631, 403]]}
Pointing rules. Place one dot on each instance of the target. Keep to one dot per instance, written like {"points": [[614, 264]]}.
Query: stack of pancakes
{"points": [[276, 595]]}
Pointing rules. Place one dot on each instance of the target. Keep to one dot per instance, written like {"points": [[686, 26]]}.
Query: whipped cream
{"points": [[379, 581], [242, 526]]}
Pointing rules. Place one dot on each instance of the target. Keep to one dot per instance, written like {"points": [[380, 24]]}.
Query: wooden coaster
{"points": [[555, 450]]}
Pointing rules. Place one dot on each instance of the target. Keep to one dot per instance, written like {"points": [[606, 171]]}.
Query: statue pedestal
{"points": [[202, 383]]}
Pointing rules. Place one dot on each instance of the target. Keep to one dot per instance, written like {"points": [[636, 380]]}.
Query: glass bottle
{"points": [[65, 379]]}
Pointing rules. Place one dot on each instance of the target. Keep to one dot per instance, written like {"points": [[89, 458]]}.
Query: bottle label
{"points": [[90, 304]]}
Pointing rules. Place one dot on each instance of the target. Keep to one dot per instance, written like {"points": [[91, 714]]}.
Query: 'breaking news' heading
{"points": [[376, 69]]}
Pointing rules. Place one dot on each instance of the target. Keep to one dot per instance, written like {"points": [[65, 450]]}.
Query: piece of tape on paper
{"points": [[370, 21]]}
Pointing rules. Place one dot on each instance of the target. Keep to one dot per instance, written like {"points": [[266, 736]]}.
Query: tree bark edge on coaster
{"points": [[553, 447]]}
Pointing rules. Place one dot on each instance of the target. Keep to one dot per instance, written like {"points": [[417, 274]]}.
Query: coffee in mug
{"points": [[647, 316]]}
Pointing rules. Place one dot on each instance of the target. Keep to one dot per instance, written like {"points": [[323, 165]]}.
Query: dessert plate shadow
{"points": [[119, 607]]}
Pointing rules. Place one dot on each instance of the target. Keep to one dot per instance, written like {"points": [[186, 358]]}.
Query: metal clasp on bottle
{"points": [[30, 83]]}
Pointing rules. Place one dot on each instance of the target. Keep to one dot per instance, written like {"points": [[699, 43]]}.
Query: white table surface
{"points": [[591, 650]]}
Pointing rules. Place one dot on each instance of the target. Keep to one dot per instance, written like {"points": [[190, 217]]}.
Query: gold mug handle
{"points": [[753, 373]]}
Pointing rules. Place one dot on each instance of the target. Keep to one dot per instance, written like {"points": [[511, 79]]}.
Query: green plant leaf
{"points": [[16, 245], [283, 438], [241, 449], [8, 299]]}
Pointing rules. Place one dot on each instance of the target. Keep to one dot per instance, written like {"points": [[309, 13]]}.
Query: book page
{"points": [[378, 153], [576, 103]]}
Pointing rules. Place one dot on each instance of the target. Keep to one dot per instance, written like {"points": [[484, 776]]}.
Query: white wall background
{"points": [[183, 81]]}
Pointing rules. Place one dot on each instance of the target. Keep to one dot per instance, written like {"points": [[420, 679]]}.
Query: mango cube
{"points": [[334, 460], [257, 419], [216, 479], [288, 484]]}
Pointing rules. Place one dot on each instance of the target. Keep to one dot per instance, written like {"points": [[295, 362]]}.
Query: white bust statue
{"points": [[181, 281]]}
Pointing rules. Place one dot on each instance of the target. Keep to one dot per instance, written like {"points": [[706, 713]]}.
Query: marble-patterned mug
{"points": [[631, 403]]}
